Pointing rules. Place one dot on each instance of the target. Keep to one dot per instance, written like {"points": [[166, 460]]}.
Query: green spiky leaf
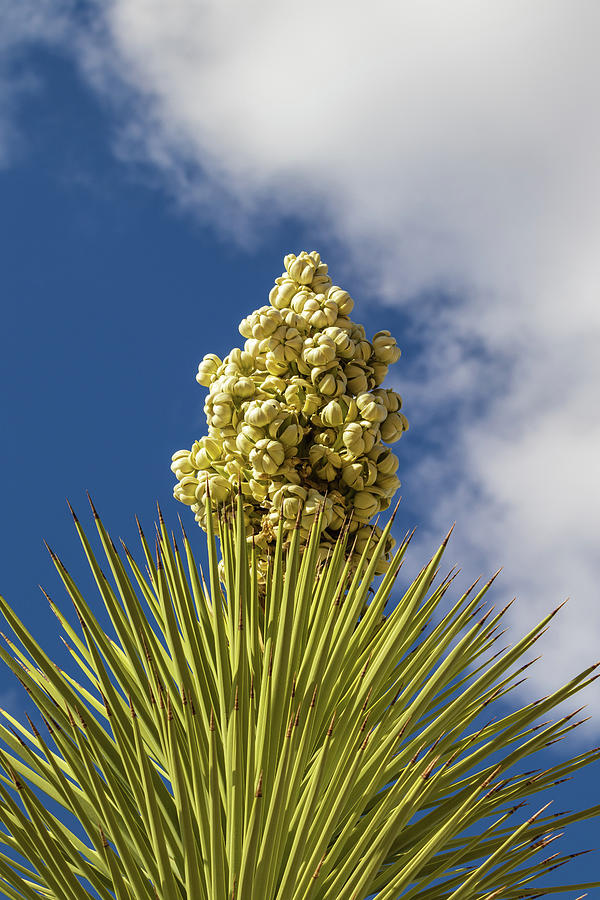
{"points": [[287, 743]]}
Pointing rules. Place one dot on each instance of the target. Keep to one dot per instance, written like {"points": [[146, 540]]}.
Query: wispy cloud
{"points": [[28, 22], [453, 150]]}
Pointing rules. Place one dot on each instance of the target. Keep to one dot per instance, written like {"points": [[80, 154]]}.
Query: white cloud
{"points": [[23, 24], [446, 145]]}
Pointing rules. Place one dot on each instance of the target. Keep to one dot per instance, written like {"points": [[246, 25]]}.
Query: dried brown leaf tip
{"points": [[91, 502]]}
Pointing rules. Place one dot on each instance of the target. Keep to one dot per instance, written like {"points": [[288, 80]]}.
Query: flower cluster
{"points": [[297, 417]]}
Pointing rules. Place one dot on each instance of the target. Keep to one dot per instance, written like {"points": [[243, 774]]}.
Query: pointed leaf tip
{"points": [[539, 812], [493, 578], [32, 726], [91, 502], [447, 538], [51, 602], [71, 510], [125, 549], [50, 551]]}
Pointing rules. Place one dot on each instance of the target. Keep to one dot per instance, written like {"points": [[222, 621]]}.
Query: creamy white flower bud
{"points": [[287, 430], [339, 412], [238, 362], [200, 515], [302, 267], [261, 412], [259, 489], [274, 367], [288, 501], [268, 320], [325, 463], [308, 506], [205, 452], [261, 323], [246, 325], [301, 396], [252, 348], [281, 295], [321, 282], [393, 427], [226, 432], [272, 386], [371, 435], [327, 437], [390, 399], [385, 460], [353, 438], [379, 371], [360, 473], [207, 369], [319, 312], [220, 411], [247, 438], [343, 342], [267, 457], [234, 471], [359, 438], [185, 490], [287, 474], [357, 377], [329, 382], [182, 464], [345, 324], [371, 408], [223, 384], [229, 445], [342, 299], [386, 485], [319, 350], [363, 350], [299, 300], [243, 388], [218, 486], [365, 505], [293, 320], [385, 348], [282, 347]]}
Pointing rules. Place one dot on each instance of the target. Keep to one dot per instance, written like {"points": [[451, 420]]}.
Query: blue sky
{"points": [[155, 166]]}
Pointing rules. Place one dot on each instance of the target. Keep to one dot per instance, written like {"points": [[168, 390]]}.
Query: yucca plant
{"points": [[299, 746], [285, 727]]}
